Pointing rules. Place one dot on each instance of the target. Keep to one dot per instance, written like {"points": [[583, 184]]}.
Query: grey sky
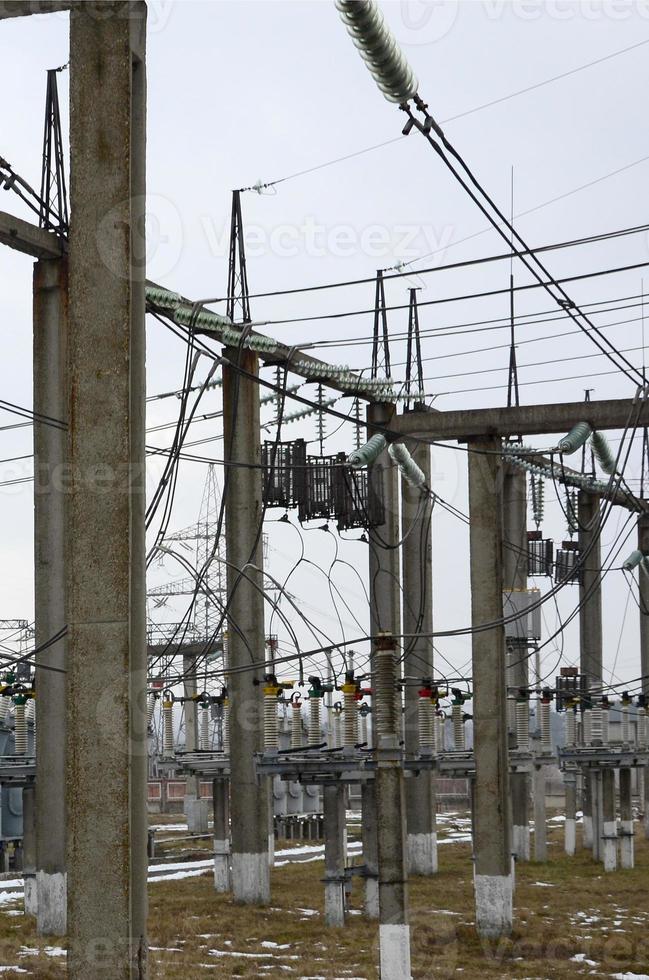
{"points": [[246, 91]]}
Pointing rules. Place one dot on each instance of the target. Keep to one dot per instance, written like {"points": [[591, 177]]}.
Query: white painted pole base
{"points": [[52, 903], [588, 831], [251, 878], [271, 848], [570, 831], [222, 881], [31, 893], [627, 857], [493, 905], [422, 854], [372, 898], [394, 947], [609, 845], [521, 842], [334, 904]]}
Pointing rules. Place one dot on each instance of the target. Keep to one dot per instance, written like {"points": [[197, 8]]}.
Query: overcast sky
{"points": [[241, 92]]}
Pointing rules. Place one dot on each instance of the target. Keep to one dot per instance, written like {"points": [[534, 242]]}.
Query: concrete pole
{"points": [[590, 620], [597, 814], [570, 835], [417, 570], [196, 809], [609, 822], [394, 930], [243, 522], [385, 614], [643, 589], [29, 848], [626, 820], [334, 835], [492, 836], [221, 804], [540, 827], [515, 580], [105, 573], [49, 900]]}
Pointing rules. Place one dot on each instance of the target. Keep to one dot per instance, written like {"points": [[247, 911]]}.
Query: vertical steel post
{"points": [[417, 571], [105, 573], [50, 473], [244, 518], [492, 840]]}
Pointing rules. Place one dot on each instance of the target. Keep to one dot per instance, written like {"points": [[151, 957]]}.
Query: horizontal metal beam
{"points": [[23, 8], [29, 238], [524, 420]]}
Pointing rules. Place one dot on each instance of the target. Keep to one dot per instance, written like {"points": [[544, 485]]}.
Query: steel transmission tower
{"points": [[53, 212], [414, 366], [237, 274], [380, 344]]}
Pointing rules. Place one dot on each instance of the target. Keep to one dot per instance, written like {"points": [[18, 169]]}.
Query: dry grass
{"points": [[583, 911]]}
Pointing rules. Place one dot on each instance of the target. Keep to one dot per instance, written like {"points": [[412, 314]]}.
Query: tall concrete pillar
{"points": [[590, 618], [221, 804], [29, 849], [385, 614], [609, 822], [417, 570], [540, 826], [570, 833], [50, 453], [335, 857], [643, 588], [492, 839], [196, 809], [626, 820], [105, 560], [243, 522], [515, 580]]}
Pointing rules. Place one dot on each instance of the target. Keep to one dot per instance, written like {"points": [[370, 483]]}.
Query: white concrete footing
{"points": [[51, 902], [372, 898], [570, 836], [222, 882], [31, 893], [521, 842], [627, 857], [609, 845], [394, 945], [494, 905], [251, 878], [334, 903], [422, 854]]}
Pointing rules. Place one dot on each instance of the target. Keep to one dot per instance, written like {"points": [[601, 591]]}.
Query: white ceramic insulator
{"points": [[350, 719], [315, 727], [596, 724], [571, 727], [625, 724], [204, 733], [296, 724], [458, 727], [642, 728], [20, 730], [385, 699], [440, 733], [605, 720], [426, 723], [544, 719], [225, 728], [523, 724], [168, 730], [586, 736], [363, 728], [271, 721], [336, 727], [5, 704], [150, 705]]}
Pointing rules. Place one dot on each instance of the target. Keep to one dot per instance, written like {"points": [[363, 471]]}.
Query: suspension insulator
{"points": [[350, 715], [296, 723], [571, 726], [522, 723], [315, 723], [385, 702], [575, 438], [20, 725], [426, 719], [544, 723], [168, 728], [150, 705], [409, 470], [457, 719], [225, 726], [368, 453], [378, 49], [204, 731], [632, 561], [602, 452], [271, 719]]}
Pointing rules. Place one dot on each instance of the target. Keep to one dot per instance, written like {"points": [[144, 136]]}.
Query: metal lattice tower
{"points": [[53, 212], [512, 381], [237, 275], [414, 366], [381, 339]]}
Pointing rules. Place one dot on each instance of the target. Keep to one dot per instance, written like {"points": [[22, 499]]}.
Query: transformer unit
{"points": [[570, 686], [540, 554], [566, 563], [519, 603]]}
